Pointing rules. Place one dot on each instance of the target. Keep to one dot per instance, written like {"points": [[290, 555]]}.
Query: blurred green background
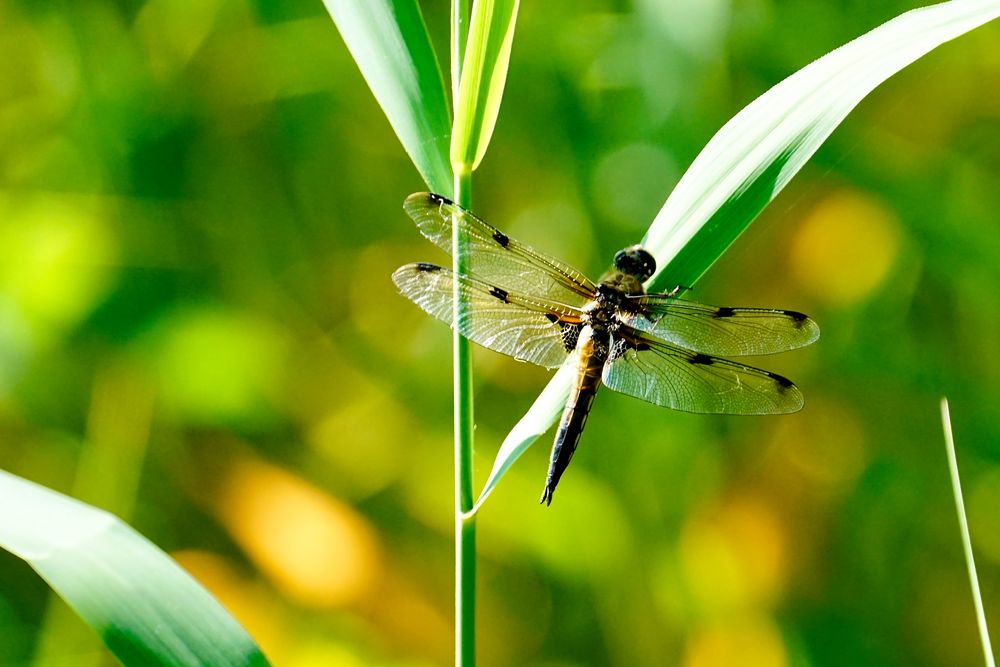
{"points": [[199, 212]]}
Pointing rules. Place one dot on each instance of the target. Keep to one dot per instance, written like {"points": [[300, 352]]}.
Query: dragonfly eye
{"points": [[635, 261]]}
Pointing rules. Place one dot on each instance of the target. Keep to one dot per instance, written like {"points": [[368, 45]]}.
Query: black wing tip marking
{"points": [[501, 238], [802, 321], [781, 382]]}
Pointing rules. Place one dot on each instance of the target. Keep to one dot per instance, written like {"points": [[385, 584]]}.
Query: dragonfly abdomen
{"points": [[591, 356]]}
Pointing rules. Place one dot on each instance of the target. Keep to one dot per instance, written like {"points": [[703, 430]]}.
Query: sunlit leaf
{"points": [[389, 42], [534, 424], [142, 604], [755, 154], [753, 157], [484, 73]]}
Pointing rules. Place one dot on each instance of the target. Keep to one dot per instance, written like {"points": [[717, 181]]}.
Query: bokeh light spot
{"points": [[217, 366], [734, 559], [826, 446], [315, 548], [845, 247], [750, 641], [371, 461], [58, 259]]}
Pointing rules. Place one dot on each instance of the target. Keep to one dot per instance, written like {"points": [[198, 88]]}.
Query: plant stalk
{"points": [[465, 523], [963, 524]]}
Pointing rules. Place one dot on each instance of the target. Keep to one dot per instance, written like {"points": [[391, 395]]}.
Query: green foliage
{"points": [[484, 74], [143, 605], [389, 42], [963, 525]]}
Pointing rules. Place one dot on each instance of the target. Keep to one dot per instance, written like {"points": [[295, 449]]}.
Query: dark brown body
{"points": [[590, 358], [591, 353]]}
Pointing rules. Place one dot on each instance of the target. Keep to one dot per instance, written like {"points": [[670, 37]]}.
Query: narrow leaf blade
{"points": [[146, 609], [963, 526], [388, 40], [533, 425], [484, 74], [749, 161], [746, 164]]}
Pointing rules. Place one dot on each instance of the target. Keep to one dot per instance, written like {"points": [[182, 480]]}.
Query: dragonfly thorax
{"points": [[601, 313]]}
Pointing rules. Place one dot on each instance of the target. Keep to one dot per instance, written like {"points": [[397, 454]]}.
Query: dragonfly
{"points": [[654, 346]]}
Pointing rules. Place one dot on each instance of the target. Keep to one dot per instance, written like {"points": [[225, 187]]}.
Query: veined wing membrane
{"points": [[494, 256], [523, 327], [724, 331], [676, 378]]}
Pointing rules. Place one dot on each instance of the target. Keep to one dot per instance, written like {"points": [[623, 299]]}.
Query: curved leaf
{"points": [[484, 74], [753, 157], [389, 42], [147, 610], [755, 154], [533, 425]]}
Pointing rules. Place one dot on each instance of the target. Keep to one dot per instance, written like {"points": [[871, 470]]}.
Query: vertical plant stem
{"points": [[963, 524], [465, 523]]}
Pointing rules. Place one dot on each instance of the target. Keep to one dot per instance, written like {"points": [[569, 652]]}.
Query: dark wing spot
{"points": [[798, 318], [499, 293], [640, 347], [724, 311], [438, 199], [424, 266], [701, 359], [570, 336], [501, 238], [552, 317], [782, 383]]}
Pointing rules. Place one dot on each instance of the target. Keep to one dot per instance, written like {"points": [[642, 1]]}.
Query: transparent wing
{"points": [[523, 327], [694, 382], [496, 257], [719, 330]]}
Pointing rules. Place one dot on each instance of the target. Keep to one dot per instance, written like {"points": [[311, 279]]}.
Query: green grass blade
{"points": [[746, 164], [459, 37], [388, 40], [755, 154], [484, 73], [146, 609], [963, 524], [533, 425]]}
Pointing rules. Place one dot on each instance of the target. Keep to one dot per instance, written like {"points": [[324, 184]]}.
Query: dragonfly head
{"points": [[635, 261]]}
